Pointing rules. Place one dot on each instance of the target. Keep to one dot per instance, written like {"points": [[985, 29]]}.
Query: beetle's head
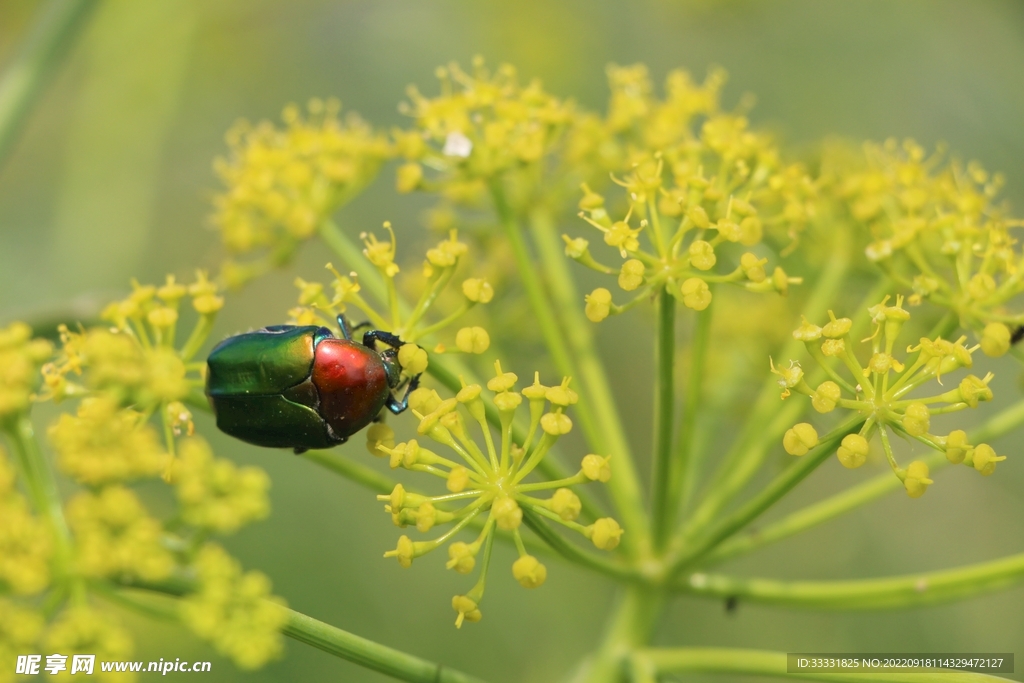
{"points": [[392, 367]]}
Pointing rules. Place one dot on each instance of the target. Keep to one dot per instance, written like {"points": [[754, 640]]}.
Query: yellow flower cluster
{"points": [[282, 183], [26, 547], [696, 180], [82, 629], [235, 611], [938, 231], [116, 537], [20, 629], [880, 392], [125, 375], [489, 480], [216, 495], [20, 360], [480, 126], [316, 307], [105, 444]]}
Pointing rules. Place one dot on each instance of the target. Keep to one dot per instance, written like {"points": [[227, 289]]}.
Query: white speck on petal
{"points": [[457, 145]]}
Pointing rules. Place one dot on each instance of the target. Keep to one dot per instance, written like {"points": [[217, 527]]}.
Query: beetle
{"points": [[300, 387]]}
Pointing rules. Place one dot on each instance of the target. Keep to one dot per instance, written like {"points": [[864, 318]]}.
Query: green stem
{"points": [[574, 553], [775, 490], [625, 485], [42, 487], [684, 475], [350, 647], [663, 470], [629, 628], [764, 663], [360, 474], [25, 79], [893, 592], [858, 495]]}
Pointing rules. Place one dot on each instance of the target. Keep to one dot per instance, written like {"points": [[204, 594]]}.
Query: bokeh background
{"points": [[112, 179]]}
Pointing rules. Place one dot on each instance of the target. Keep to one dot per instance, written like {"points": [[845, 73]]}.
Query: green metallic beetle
{"points": [[300, 387]]}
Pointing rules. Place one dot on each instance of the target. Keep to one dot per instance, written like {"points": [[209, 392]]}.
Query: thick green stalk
{"points": [[41, 485], [25, 79], [775, 490], [892, 592], [764, 663], [624, 489], [663, 469], [685, 470], [630, 627], [345, 645], [858, 495]]}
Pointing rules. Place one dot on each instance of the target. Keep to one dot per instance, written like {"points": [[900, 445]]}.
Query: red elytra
{"points": [[352, 383]]}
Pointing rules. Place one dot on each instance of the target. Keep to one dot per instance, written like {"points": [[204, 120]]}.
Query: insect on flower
{"points": [[300, 387]]}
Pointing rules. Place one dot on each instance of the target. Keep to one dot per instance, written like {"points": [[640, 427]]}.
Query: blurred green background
{"points": [[112, 179]]}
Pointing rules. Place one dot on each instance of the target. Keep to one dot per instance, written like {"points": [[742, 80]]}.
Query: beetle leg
{"points": [[396, 406], [391, 340]]}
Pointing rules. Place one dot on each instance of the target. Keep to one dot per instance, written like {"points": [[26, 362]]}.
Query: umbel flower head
{"points": [[21, 356], [696, 181], [440, 264], [282, 183], [885, 393], [479, 126], [488, 482], [938, 231]]}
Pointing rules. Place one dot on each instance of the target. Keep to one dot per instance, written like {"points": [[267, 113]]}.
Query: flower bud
{"points": [[826, 396], [800, 438], [478, 290], [984, 459], [699, 217], [467, 609], [838, 327], [702, 255], [461, 557], [631, 275], [472, 340], [753, 267], [696, 293], [995, 340], [529, 572], [750, 231], [412, 358], [598, 304], [408, 177], [507, 513], [556, 424], [916, 481], [596, 468], [807, 332], [458, 479], [973, 390], [853, 451], [605, 533], [833, 347], [379, 434], [956, 446], [917, 419], [566, 504]]}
